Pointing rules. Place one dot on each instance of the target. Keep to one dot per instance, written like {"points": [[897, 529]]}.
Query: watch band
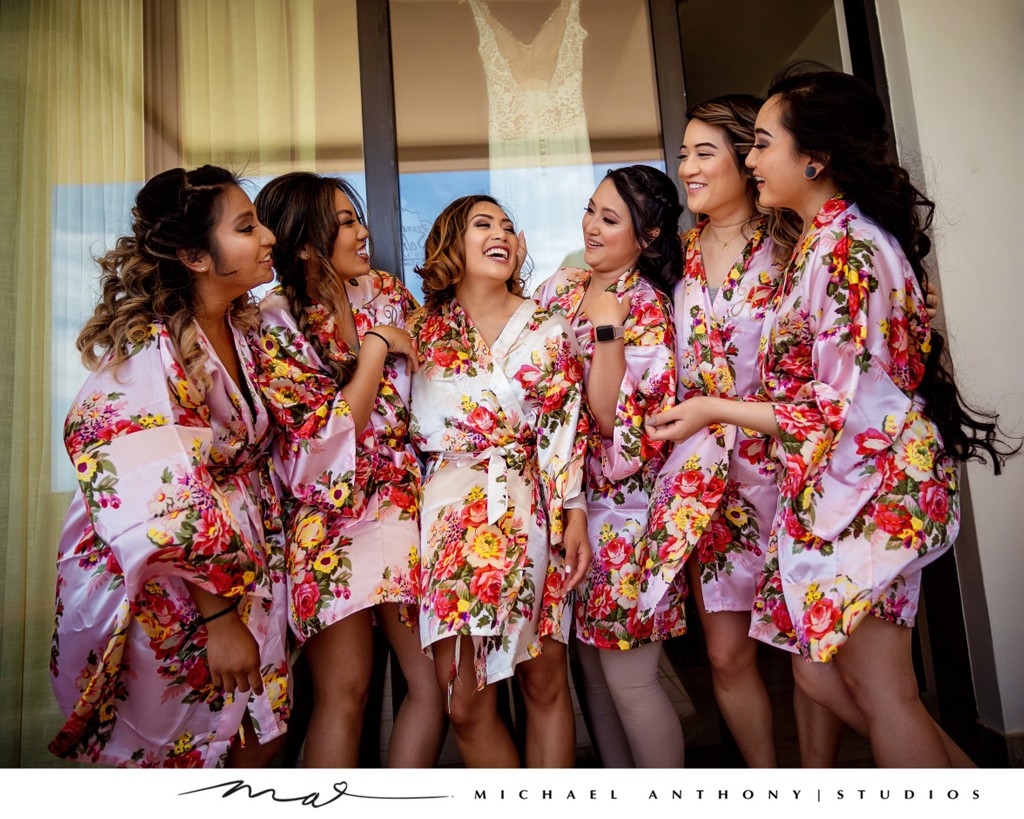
{"points": [[609, 332]]}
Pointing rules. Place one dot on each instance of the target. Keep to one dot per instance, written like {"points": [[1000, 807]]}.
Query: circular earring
{"points": [[810, 172]]}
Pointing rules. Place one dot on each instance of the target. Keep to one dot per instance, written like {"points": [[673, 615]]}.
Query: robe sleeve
{"points": [[561, 423], [315, 453], [867, 358], [648, 386], [140, 442]]}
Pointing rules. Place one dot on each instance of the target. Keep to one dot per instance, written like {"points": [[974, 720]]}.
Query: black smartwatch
{"points": [[609, 332]]}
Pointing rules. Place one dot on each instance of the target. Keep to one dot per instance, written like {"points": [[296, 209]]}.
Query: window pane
{"points": [[530, 102]]}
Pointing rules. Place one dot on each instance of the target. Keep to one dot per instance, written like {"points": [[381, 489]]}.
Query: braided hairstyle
{"points": [[839, 120], [299, 208], [444, 253], [735, 115], [653, 204], [143, 280]]}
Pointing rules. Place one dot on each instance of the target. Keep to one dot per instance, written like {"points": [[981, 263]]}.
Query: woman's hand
{"points": [[681, 421], [233, 655], [578, 553], [931, 301], [399, 342], [607, 309]]}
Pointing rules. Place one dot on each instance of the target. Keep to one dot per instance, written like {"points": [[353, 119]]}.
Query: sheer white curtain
{"points": [[94, 98]]}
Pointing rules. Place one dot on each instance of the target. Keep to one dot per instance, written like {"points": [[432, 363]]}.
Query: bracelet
{"points": [[381, 337], [204, 620]]}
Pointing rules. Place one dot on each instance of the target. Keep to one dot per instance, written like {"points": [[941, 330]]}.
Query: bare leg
{"points": [[821, 684], [877, 667], [340, 661], [483, 739], [550, 724], [420, 725], [819, 731], [608, 734], [739, 690], [253, 754], [648, 716]]}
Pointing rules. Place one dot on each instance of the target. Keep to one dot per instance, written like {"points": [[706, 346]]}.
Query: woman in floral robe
{"points": [[334, 362], [620, 313], [497, 414], [169, 648], [717, 494], [868, 430]]}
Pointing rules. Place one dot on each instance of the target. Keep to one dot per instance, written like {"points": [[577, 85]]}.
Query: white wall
{"points": [[955, 71]]}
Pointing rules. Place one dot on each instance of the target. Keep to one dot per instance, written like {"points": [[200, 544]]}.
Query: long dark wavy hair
{"points": [[299, 208], [735, 114], [839, 120], [653, 204], [444, 253], [143, 280]]}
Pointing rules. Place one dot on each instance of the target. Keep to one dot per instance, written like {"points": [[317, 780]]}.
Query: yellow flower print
{"points": [[325, 562], [918, 457], [606, 533], [85, 466], [624, 645], [339, 494], [269, 344], [487, 545], [414, 556], [159, 537], [475, 494], [150, 421], [693, 462], [853, 613], [724, 378], [464, 606], [183, 745], [248, 577], [310, 533], [286, 396], [736, 516], [466, 403], [812, 595], [764, 278], [628, 587]]}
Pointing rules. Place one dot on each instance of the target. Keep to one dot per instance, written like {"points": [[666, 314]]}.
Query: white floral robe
{"points": [[499, 428]]}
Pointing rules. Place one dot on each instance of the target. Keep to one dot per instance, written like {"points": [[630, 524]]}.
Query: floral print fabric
{"points": [[174, 486], [717, 493], [353, 530], [867, 497], [502, 431], [621, 471]]}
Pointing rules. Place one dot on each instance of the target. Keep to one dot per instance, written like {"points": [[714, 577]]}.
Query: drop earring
{"points": [[810, 172]]}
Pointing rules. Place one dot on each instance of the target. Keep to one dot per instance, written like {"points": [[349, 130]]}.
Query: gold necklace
{"points": [[726, 244]]}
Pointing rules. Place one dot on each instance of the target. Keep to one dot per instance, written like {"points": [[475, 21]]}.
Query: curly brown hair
{"points": [[444, 256], [299, 208], [143, 279]]}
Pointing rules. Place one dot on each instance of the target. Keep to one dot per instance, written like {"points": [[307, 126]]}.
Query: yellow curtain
{"points": [[94, 98], [72, 113]]}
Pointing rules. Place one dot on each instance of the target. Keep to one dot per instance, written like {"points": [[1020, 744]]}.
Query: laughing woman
{"points": [[497, 413], [170, 644], [335, 364], [869, 427]]}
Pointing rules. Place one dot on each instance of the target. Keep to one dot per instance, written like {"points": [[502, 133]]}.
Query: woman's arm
{"points": [[607, 363], [683, 420]]}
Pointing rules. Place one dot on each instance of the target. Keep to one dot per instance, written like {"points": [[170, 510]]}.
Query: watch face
{"points": [[607, 332]]}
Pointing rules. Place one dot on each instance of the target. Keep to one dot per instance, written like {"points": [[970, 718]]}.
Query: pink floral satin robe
{"points": [[867, 499], [502, 430], [621, 471], [717, 492], [353, 530], [174, 486]]}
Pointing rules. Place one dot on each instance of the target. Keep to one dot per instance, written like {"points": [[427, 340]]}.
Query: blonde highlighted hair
{"points": [[143, 281]]}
